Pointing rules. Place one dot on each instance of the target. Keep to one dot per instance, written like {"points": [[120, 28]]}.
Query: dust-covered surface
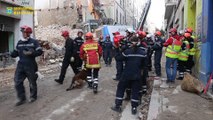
{"points": [[55, 103], [171, 103]]}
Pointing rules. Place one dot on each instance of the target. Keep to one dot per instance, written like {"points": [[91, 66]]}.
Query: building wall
{"points": [[14, 22], [207, 41]]}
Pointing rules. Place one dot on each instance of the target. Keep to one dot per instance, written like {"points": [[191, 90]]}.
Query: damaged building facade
{"points": [[10, 22]]}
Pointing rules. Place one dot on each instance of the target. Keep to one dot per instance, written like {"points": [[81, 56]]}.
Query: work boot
{"points": [[59, 81], [95, 85], [20, 102], [180, 78], [116, 108], [95, 88], [90, 85], [32, 100], [134, 110]]}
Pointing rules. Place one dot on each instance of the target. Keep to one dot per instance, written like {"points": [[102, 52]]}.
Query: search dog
{"points": [[78, 80]]}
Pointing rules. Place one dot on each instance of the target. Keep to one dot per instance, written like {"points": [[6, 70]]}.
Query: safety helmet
{"points": [[141, 34], [149, 36], [189, 30], [173, 30], [26, 29], [158, 33], [65, 33], [187, 35], [116, 33], [89, 35], [181, 32]]}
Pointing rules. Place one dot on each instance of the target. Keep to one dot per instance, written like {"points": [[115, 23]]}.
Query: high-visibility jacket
{"points": [[90, 52], [184, 53], [173, 50], [192, 50]]}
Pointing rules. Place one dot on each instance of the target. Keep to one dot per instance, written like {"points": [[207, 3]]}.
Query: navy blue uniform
{"points": [[27, 67], [157, 47], [145, 72], [131, 75], [69, 46], [107, 48], [78, 41], [150, 44]]}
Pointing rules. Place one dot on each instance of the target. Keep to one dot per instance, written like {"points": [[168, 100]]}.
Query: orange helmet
{"points": [[26, 29], [187, 35], [189, 30], [89, 35], [158, 33], [173, 30], [65, 33], [141, 34]]}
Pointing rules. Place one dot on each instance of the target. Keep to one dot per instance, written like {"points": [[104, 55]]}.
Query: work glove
{"points": [[72, 59]]}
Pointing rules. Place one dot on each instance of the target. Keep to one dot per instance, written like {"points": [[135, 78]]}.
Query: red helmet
{"points": [[189, 30], [89, 35], [158, 33], [65, 33], [187, 35], [173, 30], [26, 29], [141, 34], [116, 33]]}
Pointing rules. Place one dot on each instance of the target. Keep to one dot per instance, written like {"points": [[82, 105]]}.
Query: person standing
{"points": [[183, 56], [78, 41], [27, 49], [150, 44], [90, 53], [192, 51], [173, 45], [68, 57], [134, 58], [107, 48], [157, 47]]}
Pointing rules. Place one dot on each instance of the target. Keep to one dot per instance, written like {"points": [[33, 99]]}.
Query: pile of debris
{"points": [[52, 33], [52, 42]]}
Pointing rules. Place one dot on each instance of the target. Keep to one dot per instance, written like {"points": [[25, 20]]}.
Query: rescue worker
{"points": [[90, 53], [68, 57], [78, 41], [27, 49], [134, 58], [119, 64], [157, 47], [150, 44], [173, 44], [143, 45], [101, 43], [183, 56], [192, 51], [107, 48]]}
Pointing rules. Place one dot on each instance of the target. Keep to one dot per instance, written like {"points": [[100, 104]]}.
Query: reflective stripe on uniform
{"points": [[118, 98], [133, 100]]}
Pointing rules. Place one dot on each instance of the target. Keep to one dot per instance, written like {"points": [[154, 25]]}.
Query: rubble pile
{"points": [[52, 42], [52, 33]]}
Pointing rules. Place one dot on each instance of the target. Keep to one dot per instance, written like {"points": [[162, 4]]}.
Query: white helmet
{"points": [[149, 36], [181, 32]]}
